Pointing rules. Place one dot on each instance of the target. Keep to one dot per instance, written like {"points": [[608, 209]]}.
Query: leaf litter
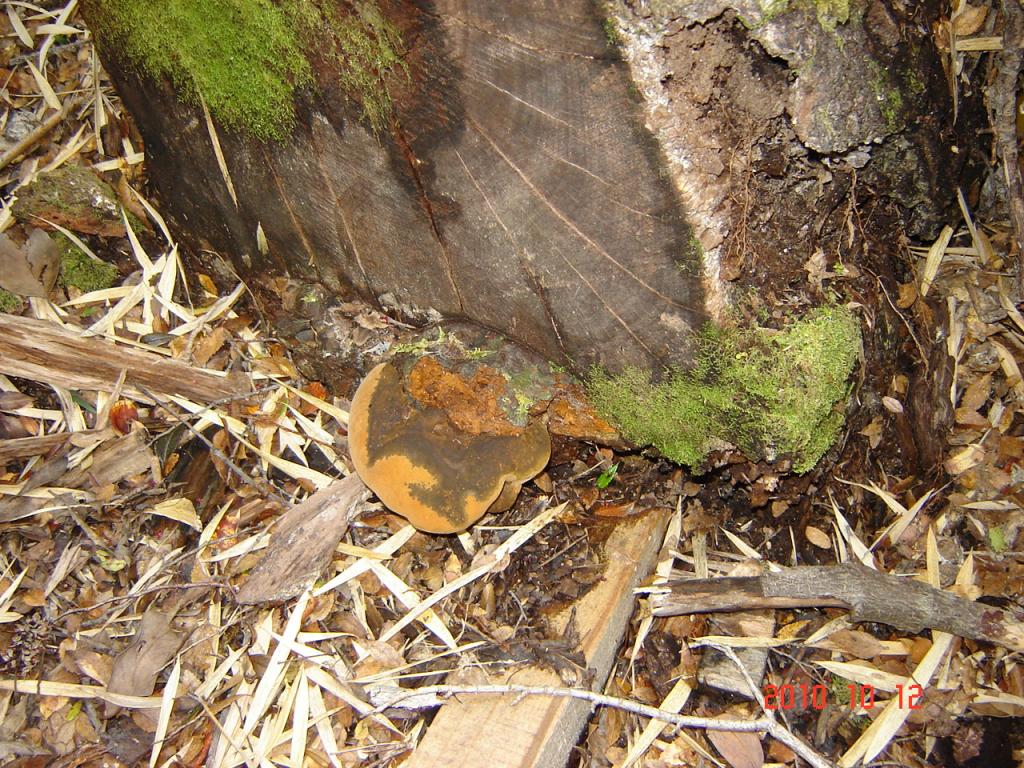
{"points": [[115, 629]]}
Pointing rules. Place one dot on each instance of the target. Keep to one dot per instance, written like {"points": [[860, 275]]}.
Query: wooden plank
{"points": [[509, 732], [44, 351]]}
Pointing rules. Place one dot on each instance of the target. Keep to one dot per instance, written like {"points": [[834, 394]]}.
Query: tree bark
{"points": [[585, 181]]}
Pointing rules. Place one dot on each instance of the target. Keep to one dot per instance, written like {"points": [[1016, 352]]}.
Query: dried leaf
{"points": [[137, 667], [969, 19], [19, 27], [892, 404], [934, 259], [261, 240], [209, 345], [971, 456], [181, 510], [969, 418], [372, 321], [93, 664], [854, 643], [817, 269], [873, 432], [377, 658], [275, 366], [30, 269], [740, 750], [818, 537], [207, 283], [1010, 368], [907, 296], [45, 89], [977, 393]]}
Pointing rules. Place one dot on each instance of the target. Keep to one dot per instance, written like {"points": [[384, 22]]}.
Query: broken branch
{"points": [[905, 603]]}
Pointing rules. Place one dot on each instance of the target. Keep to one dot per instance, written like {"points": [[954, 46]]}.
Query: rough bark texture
{"points": [[540, 167], [788, 130], [871, 596]]}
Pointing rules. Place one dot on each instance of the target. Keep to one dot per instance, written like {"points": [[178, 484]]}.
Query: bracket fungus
{"points": [[421, 466]]}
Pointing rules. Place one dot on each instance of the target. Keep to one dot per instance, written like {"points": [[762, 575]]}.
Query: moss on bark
{"points": [[246, 58], [769, 393]]}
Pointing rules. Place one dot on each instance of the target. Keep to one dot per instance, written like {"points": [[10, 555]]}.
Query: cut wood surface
{"points": [[44, 351], [719, 671], [511, 732], [515, 185], [871, 596]]}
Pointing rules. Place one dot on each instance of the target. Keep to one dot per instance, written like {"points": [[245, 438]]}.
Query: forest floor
{"points": [[129, 516]]}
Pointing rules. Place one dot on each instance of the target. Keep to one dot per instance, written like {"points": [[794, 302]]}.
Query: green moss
{"points": [[365, 44], [769, 393], [611, 32], [770, 9], [913, 79], [526, 387], [832, 13], [245, 58], [824, 119], [424, 345], [241, 56], [890, 100], [78, 270], [10, 302]]}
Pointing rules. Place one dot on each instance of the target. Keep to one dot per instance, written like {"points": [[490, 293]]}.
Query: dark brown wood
{"points": [[43, 351], [515, 186], [303, 542], [516, 182], [1003, 102], [870, 596]]}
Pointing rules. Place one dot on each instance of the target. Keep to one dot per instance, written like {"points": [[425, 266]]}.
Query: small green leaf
{"points": [[83, 403], [997, 539], [606, 477], [110, 563]]}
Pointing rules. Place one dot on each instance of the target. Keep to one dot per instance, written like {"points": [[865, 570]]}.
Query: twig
{"points": [[31, 139], [53, 49], [910, 329], [431, 696], [142, 593], [870, 596]]}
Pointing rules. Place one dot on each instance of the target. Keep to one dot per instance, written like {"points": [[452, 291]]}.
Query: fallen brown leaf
{"points": [[740, 750], [137, 667], [30, 269]]}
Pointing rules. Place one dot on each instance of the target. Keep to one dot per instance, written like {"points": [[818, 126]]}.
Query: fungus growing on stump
{"points": [[421, 466]]}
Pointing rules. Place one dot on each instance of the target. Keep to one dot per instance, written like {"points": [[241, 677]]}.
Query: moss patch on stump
{"points": [[769, 393], [246, 58]]}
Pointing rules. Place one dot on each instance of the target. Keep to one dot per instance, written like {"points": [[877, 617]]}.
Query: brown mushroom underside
{"points": [[438, 477]]}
